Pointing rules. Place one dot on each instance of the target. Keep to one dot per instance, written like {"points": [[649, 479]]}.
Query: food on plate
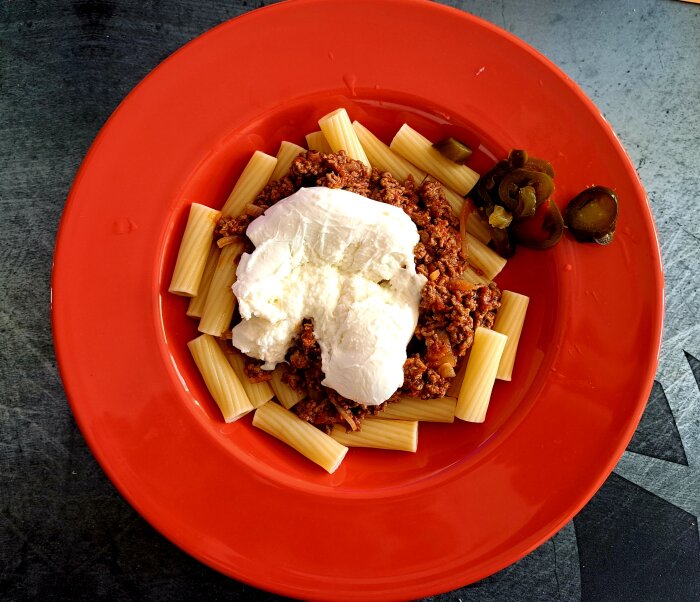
{"points": [[220, 303], [346, 263], [343, 289], [316, 141], [510, 320], [453, 149], [516, 198], [417, 149], [510, 196], [259, 392], [542, 230], [196, 303], [338, 131], [254, 177], [591, 216], [194, 250], [401, 435], [480, 376], [220, 378], [307, 440], [439, 409]]}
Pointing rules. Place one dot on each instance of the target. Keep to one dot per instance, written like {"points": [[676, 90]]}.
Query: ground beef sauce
{"points": [[450, 308]]}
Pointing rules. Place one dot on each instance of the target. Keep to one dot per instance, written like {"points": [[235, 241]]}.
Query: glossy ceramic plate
{"points": [[474, 498]]}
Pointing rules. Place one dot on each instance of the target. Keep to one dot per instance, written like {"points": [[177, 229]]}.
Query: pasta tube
{"points": [[426, 410], [253, 179], [220, 302], [316, 141], [509, 321], [283, 392], [471, 275], [258, 393], [482, 257], [470, 221], [194, 249], [285, 155], [400, 435], [383, 158], [480, 375], [196, 305], [339, 133], [478, 228], [417, 149], [457, 381], [456, 201], [299, 434], [221, 380]]}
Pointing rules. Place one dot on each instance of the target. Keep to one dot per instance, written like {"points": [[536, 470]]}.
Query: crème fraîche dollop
{"points": [[346, 262]]}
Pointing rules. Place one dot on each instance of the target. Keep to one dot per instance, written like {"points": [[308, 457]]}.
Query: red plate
{"points": [[386, 525]]}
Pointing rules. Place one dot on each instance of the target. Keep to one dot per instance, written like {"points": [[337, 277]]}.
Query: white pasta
{"points": [[441, 409], [339, 133], [456, 201], [316, 141], [401, 435], [285, 155], [221, 380], [482, 257], [383, 158], [220, 303], [253, 179], [475, 393], [194, 249], [470, 221], [457, 381], [196, 304], [417, 149], [299, 434], [509, 321], [258, 393], [471, 275], [287, 396]]}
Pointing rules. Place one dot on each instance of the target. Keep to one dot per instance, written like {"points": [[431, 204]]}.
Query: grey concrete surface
{"points": [[65, 533]]}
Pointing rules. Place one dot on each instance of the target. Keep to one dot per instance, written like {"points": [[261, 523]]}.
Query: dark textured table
{"points": [[65, 532]]}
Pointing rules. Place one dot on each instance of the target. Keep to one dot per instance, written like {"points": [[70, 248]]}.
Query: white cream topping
{"points": [[347, 263]]}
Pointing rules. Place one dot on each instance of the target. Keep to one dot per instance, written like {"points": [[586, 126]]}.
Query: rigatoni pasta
{"points": [[480, 375], [339, 133], [441, 409], [316, 141], [287, 396], [509, 321], [478, 228], [456, 384], [220, 302], [482, 257], [285, 155], [400, 435], [474, 277], [194, 249], [196, 304], [221, 380], [258, 393], [383, 158], [417, 149], [456, 201], [307, 440], [253, 179], [470, 222]]}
